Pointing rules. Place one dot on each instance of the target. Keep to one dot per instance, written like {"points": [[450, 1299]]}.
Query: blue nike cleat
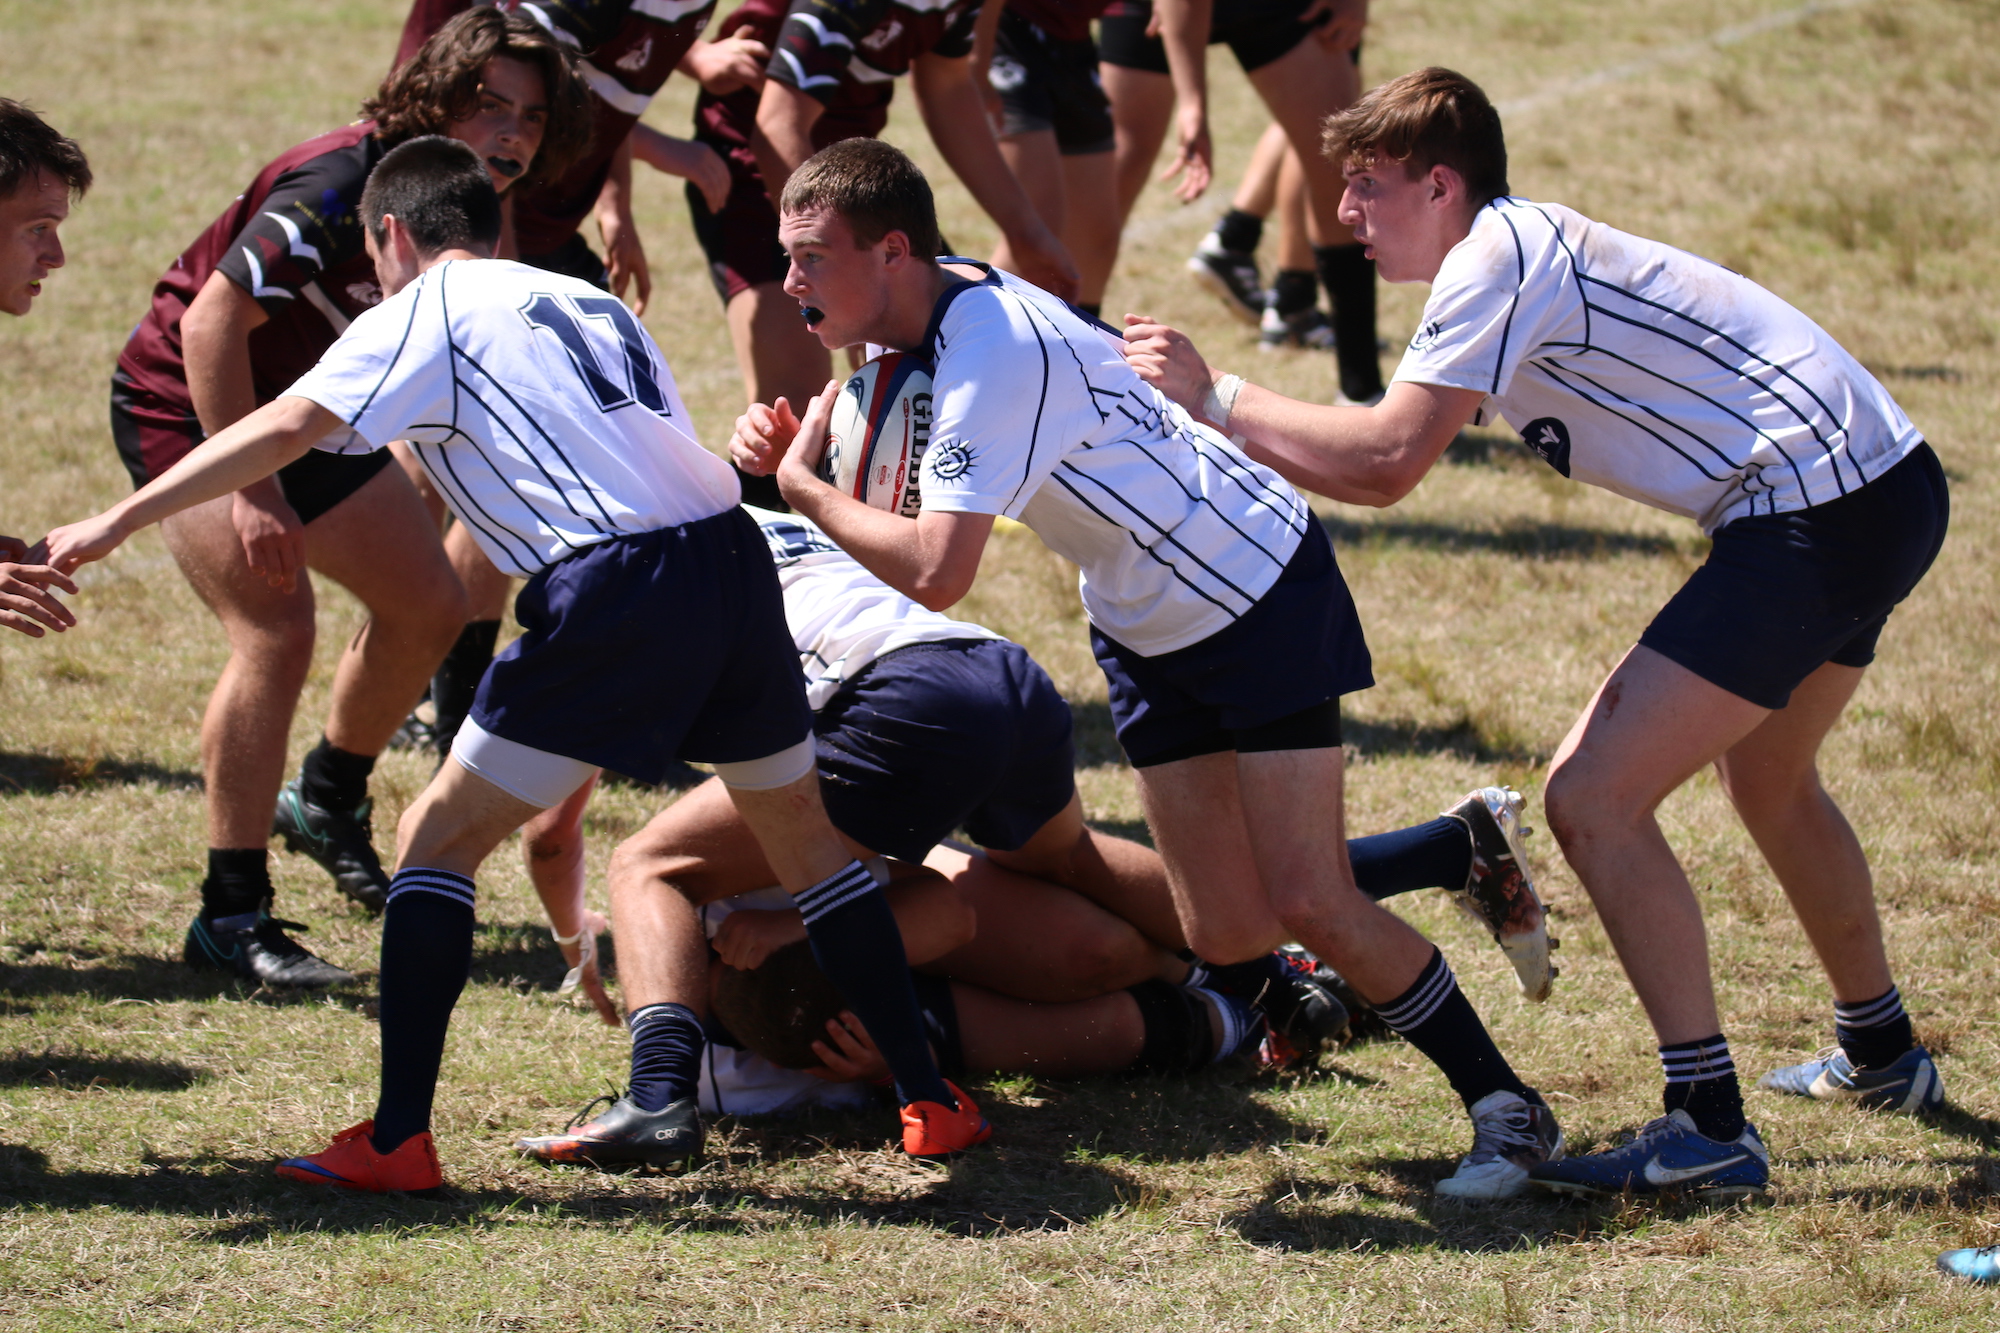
{"points": [[1980, 1265], [1667, 1157], [1911, 1084]]}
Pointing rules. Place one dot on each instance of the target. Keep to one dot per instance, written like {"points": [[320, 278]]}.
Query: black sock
{"points": [[426, 956], [1253, 981], [666, 1055], [1095, 309], [1179, 1035], [1701, 1080], [456, 683], [1434, 1016], [1239, 231], [1348, 275], [239, 880], [1437, 855], [1874, 1033], [856, 943], [1294, 290], [335, 779]]}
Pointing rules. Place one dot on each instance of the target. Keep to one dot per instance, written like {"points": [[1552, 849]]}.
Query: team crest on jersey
{"points": [[1549, 438], [1428, 334], [636, 58], [948, 459], [364, 293], [884, 36]]}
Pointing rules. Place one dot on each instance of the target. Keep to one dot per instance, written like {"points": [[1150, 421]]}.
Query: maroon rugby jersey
{"points": [[845, 54], [1063, 20], [628, 47], [293, 240]]}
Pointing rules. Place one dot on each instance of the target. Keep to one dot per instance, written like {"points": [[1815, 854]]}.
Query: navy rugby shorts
{"points": [[644, 649], [1270, 681], [935, 737], [1780, 595]]}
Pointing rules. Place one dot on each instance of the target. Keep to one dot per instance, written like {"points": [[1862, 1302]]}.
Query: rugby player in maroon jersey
{"points": [[40, 173], [831, 76], [246, 309]]}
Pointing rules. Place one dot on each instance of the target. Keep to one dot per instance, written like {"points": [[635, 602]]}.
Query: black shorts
{"points": [[1270, 681], [152, 436], [1046, 84], [644, 649], [1781, 595], [574, 259], [1257, 31], [935, 737]]}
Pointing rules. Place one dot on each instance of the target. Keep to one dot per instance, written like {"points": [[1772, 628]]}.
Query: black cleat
{"points": [[262, 953], [1306, 1013], [623, 1136], [340, 840]]}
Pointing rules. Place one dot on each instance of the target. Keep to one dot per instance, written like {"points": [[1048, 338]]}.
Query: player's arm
{"points": [[624, 253], [1358, 455], [215, 349], [783, 138], [985, 40], [955, 114], [690, 159], [1184, 28], [932, 559], [278, 433]]}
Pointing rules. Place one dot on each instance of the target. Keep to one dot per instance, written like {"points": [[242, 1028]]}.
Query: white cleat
{"points": [[1499, 893]]}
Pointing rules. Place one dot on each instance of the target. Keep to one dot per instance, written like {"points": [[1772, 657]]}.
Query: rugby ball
{"points": [[880, 428]]}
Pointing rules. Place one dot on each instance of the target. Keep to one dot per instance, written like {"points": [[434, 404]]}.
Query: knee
{"points": [[1572, 801], [1236, 942], [641, 870], [1100, 962], [279, 646]]}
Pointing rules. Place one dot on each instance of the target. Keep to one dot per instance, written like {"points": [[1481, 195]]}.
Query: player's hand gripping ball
{"points": [[876, 438]]}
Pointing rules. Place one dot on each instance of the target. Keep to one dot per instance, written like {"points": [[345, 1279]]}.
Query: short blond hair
{"points": [[1427, 118]]}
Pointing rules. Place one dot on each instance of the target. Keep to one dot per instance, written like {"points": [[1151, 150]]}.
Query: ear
{"points": [[896, 248]]}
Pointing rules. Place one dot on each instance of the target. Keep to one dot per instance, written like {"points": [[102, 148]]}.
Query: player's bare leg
{"points": [[1124, 878], [775, 350], [1653, 725], [1773, 779], [1039, 941], [1095, 1035], [1077, 197], [1142, 106], [1302, 88]]}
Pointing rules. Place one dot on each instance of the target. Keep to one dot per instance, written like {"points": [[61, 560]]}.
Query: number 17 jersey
{"points": [[536, 402]]}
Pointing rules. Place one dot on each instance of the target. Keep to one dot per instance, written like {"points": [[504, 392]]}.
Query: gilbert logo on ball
{"points": [[880, 428]]}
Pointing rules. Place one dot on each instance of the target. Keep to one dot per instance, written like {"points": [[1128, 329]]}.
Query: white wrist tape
{"points": [[1220, 400]]}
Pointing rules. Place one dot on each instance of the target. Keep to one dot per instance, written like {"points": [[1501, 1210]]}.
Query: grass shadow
{"points": [[140, 977], [1461, 739], [1962, 1124], [30, 774], [1525, 538], [78, 1070], [1304, 1215], [524, 956]]}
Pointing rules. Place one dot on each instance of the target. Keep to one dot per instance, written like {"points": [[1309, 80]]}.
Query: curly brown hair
{"points": [[439, 86]]}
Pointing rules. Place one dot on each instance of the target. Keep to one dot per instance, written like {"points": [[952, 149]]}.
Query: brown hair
{"points": [[780, 1009], [1427, 118], [873, 186], [440, 84], [30, 146]]}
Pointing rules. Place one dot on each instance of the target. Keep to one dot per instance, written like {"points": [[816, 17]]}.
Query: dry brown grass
{"points": [[1846, 162]]}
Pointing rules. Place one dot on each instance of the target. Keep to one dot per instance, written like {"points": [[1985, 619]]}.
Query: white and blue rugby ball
{"points": [[880, 428]]}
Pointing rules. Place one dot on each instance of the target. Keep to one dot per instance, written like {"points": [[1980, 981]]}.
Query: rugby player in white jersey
{"points": [[1221, 622], [653, 624], [1656, 374]]}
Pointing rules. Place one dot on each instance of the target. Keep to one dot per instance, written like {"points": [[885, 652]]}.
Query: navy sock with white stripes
{"points": [[1701, 1080], [1437, 855], [1874, 1033], [1434, 1016], [666, 1055], [856, 942], [426, 956]]}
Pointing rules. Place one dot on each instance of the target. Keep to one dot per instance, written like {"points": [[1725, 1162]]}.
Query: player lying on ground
{"points": [[925, 725], [246, 310], [41, 173], [654, 625], [780, 1040], [1644, 369], [1217, 613]]}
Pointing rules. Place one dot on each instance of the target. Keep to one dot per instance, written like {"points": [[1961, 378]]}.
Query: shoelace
{"points": [[270, 932], [1498, 1133], [583, 1117]]}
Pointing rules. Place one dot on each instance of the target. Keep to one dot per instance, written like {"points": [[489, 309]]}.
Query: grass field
{"points": [[1845, 159]]}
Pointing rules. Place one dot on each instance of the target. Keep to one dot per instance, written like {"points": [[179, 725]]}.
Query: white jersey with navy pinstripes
{"points": [[537, 403], [1037, 417], [1650, 371]]}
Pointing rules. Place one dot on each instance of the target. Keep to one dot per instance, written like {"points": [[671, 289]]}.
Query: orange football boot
{"points": [[934, 1132], [353, 1163]]}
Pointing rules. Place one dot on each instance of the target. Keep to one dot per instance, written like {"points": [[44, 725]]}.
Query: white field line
{"points": [[1148, 228], [1675, 55]]}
